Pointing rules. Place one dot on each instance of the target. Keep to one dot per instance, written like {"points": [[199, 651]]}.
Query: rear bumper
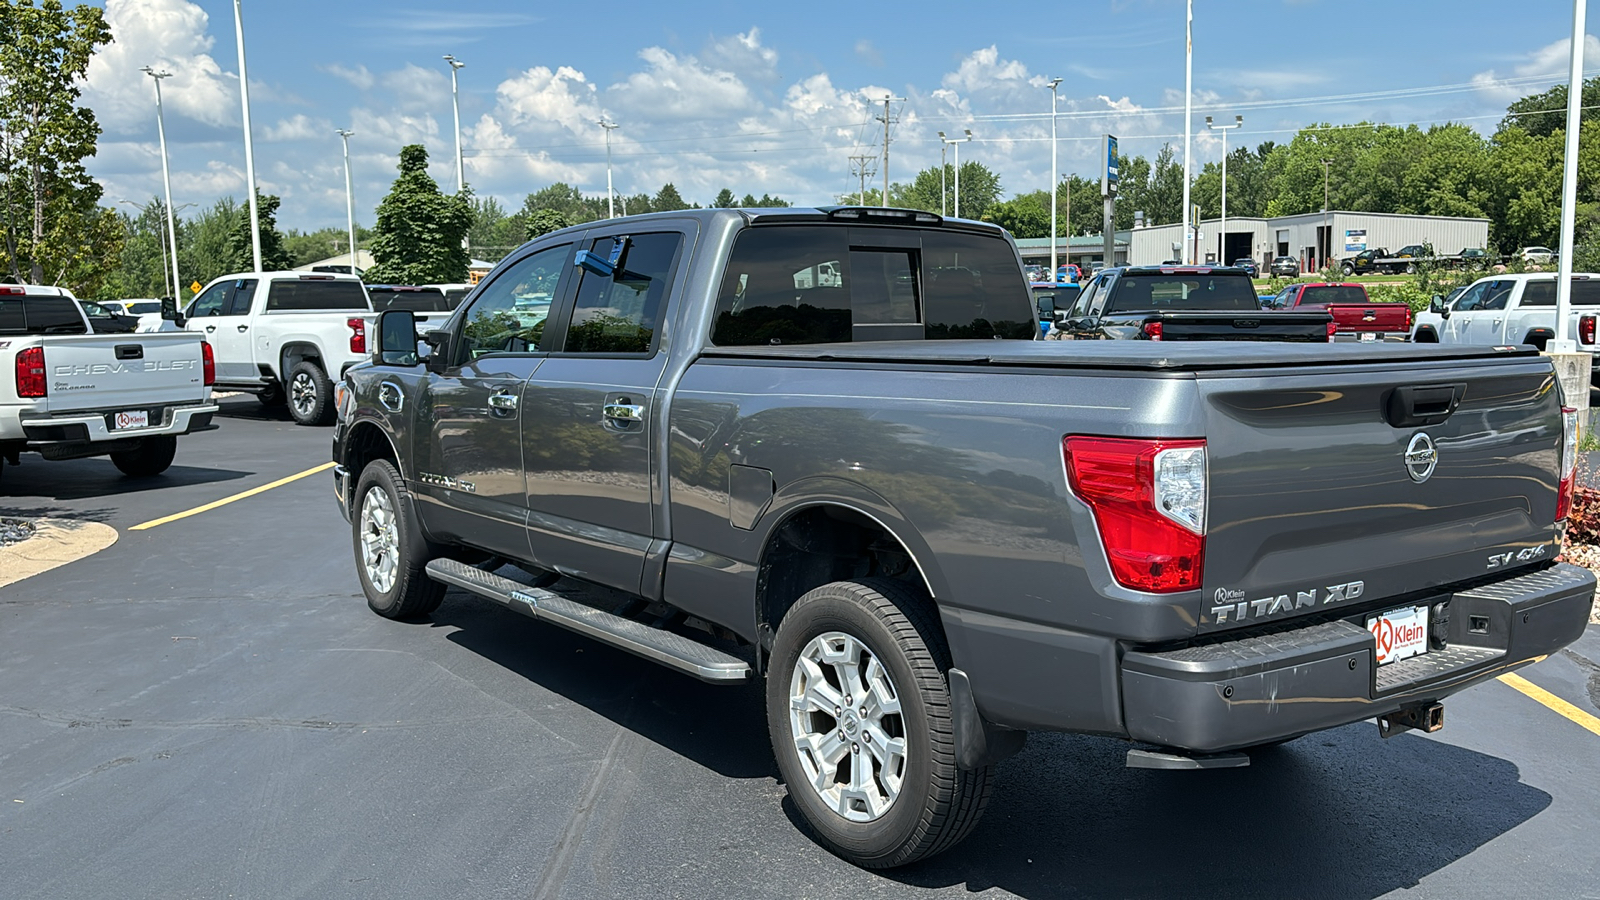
{"points": [[1382, 336], [1255, 690], [94, 427]]}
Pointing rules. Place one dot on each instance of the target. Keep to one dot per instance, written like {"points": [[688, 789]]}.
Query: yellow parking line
{"points": [[226, 500], [1561, 707]]}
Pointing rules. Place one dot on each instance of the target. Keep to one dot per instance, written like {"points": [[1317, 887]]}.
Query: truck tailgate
{"points": [[1314, 504], [115, 371], [1371, 317], [1308, 326]]}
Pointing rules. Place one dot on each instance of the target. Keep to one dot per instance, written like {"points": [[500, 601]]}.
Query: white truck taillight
{"points": [[1569, 461], [31, 383], [1149, 502], [358, 334], [1586, 329]]}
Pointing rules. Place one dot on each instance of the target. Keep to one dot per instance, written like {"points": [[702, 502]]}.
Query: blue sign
{"points": [[1108, 179]]}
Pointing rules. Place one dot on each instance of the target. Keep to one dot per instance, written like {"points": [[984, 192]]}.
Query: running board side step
{"points": [[671, 650]]}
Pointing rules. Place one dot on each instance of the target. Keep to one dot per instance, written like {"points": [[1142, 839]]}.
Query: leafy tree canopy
{"points": [[420, 232]]}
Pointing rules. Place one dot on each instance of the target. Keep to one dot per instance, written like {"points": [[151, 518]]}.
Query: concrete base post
{"points": [[1573, 371]]}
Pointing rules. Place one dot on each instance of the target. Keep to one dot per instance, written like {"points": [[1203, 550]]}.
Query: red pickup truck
{"points": [[1355, 316]]}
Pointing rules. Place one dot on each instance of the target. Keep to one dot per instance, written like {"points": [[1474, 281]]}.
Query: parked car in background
{"points": [[1249, 265], [1474, 258], [140, 307], [1285, 266], [105, 320], [1414, 251], [1513, 309], [67, 392], [455, 293], [1182, 303], [1050, 297], [1035, 273], [1536, 255], [1068, 273], [1355, 316]]}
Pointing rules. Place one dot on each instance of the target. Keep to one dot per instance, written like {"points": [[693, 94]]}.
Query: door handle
{"points": [[503, 402], [1498, 321], [624, 412], [243, 328]]}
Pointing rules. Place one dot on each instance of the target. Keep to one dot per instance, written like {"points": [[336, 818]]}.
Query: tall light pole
{"points": [[349, 197], [457, 65], [1569, 186], [1188, 120], [1053, 83], [166, 176], [957, 142], [249, 148], [1327, 213], [944, 147], [611, 203], [1222, 227], [166, 277]]}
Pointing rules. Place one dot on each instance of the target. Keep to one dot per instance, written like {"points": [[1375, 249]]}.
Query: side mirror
{"points": [[438, 350], [1436, 305], [1059, 317], [169, 312], [397, 338], [1088, 323]]}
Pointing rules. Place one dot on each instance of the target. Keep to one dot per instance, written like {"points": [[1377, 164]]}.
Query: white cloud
{"points": [[1550, 61], [538, 97], [674, 87], [358, 76], [742, 54], [164, 34], [299, 127], [868, 54]]}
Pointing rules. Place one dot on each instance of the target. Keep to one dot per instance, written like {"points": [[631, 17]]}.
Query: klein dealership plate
{"points": [[1400, 633]]}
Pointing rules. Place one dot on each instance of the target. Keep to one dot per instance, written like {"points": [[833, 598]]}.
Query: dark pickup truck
{"points": [[931, 532], [1182, 303]]}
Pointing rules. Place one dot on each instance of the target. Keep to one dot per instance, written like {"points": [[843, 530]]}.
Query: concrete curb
{"points": [[55, 543]]}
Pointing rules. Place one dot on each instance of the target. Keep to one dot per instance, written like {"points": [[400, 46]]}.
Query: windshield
{"points": [[1183, 292], [139, 309], [1333, 294]]}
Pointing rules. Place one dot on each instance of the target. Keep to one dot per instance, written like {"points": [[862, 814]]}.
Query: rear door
{"points": [[1322, 490], [589, 413]]}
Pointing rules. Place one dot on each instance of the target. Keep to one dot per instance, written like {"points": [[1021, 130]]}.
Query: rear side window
{"points": [[296, 296], [1183, 292], [41, 315], [1333, 295], [418, 300], [1585, 292], [620, 312], [809, 284]]}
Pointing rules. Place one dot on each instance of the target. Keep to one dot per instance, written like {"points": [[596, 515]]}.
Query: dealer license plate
{"points": [[1366, 336], [1400, 633], [123, 421]]}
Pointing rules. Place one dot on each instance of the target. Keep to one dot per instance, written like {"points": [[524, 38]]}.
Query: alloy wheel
{"points": [[847, 725], [380, 540]]}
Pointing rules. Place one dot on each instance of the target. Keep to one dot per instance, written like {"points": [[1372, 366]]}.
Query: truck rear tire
{"points": [[273, 397], [859, 714], [391, 553], [310, 394], [152, 457], [1348, 271]]}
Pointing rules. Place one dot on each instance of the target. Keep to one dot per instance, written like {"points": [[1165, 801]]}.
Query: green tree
{"points": [[419, 234], [1543, 114], [204, 250], [52, 225], [725, 199], [275, 257], [311, 246], [666, 200], [142, 264], [543, 221], [567, 200], [1025, 216]]}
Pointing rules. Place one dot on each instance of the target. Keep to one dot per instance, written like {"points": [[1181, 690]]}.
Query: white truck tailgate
{"points": [[109, 371]]}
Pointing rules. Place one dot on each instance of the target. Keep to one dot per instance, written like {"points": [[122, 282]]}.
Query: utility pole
{"points": [[1053, 84], [166, 177], [611, 203], [1222, 227], [887, 120], [249, 150], [349, 197], [859, 166], [1327, 214]]}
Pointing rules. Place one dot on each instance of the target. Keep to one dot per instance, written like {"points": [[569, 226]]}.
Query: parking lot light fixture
{"points": [[249, 144], [1222, 225], [166, 175], [957, 142], [944, 146], [1053, 84], [611, 197], [349, 197]]}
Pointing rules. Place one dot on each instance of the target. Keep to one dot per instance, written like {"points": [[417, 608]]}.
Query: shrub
{"points": [[1583, 523]]}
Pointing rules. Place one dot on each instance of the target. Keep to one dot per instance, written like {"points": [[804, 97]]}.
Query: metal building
{"points": [[1306, 237]]}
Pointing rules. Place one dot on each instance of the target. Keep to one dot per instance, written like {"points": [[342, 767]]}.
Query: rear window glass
{"points": [[1334, 295], [420, 300], [139, 309], [290, 296], [1585, 292], [41, 315], [807, 284], [1182, 292]]}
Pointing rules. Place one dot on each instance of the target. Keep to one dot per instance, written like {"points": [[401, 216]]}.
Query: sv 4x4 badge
{"points": [[1231, 606], [1527, 554]]}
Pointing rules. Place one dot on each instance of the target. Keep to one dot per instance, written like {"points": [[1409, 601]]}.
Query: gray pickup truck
{"points": [[825, 447]]}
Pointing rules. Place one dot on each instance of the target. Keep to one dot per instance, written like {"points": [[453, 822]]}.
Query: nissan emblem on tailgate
{"points": [[1421, 457]]}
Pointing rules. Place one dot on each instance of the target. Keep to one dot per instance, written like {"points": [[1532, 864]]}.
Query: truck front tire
{"points": [[860, 718], [310, 394], [152, 457], [391, 553]]}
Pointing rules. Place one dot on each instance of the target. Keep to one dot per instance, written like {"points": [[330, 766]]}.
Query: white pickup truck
{"points": [[285, 335], [67, 393], [1512, 309]]}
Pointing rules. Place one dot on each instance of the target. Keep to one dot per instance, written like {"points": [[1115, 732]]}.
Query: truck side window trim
{"points": [[637, 297], [511, 315]]}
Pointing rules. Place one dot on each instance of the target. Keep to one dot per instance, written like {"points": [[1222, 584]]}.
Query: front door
{"points": [[222, 314], [471, 469], [588, 413], [1468, 306]]}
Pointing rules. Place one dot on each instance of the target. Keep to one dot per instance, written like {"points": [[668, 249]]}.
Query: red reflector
{"points": [[1152, 330], [358, 335], [12, 289], [1116, 477], [1332, 327], [1586, 329], [30, 373], [209, 363]]}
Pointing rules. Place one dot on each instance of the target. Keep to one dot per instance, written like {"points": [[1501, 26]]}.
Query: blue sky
{"points": [[767, 97]]}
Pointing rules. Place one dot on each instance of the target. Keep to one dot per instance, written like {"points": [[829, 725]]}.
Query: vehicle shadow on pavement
{"points": [[1307, 819], [248, 407], [720, 727], [81, 479]]}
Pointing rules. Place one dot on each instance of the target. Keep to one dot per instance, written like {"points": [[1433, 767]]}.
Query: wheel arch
{"points": [[367, 441], [1425, 335], [1539, 337], [295, 352]]}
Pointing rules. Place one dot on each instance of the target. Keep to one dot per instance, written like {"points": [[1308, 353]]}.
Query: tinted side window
{"points": [[1539, 293], [11, 319], [53, 315], [244, 292], [620, 312], [508, 315], [975, 289], [1585, 292], [1333, 294], [287, 296], [214, 302], [1496, 296], [785, 285]]}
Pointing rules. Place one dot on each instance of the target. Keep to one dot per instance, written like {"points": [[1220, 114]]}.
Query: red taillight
{"points": [[1569, 461], [358, 335], [1148, 498], [1152, 330], [208, 363], [1332, 327], [30, 373], [1586, 329]]}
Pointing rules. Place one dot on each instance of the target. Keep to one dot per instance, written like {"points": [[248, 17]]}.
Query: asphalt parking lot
{"points": [[207, 709]]}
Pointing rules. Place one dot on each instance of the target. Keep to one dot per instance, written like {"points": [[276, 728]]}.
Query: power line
{"points": [[887, 119]]}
